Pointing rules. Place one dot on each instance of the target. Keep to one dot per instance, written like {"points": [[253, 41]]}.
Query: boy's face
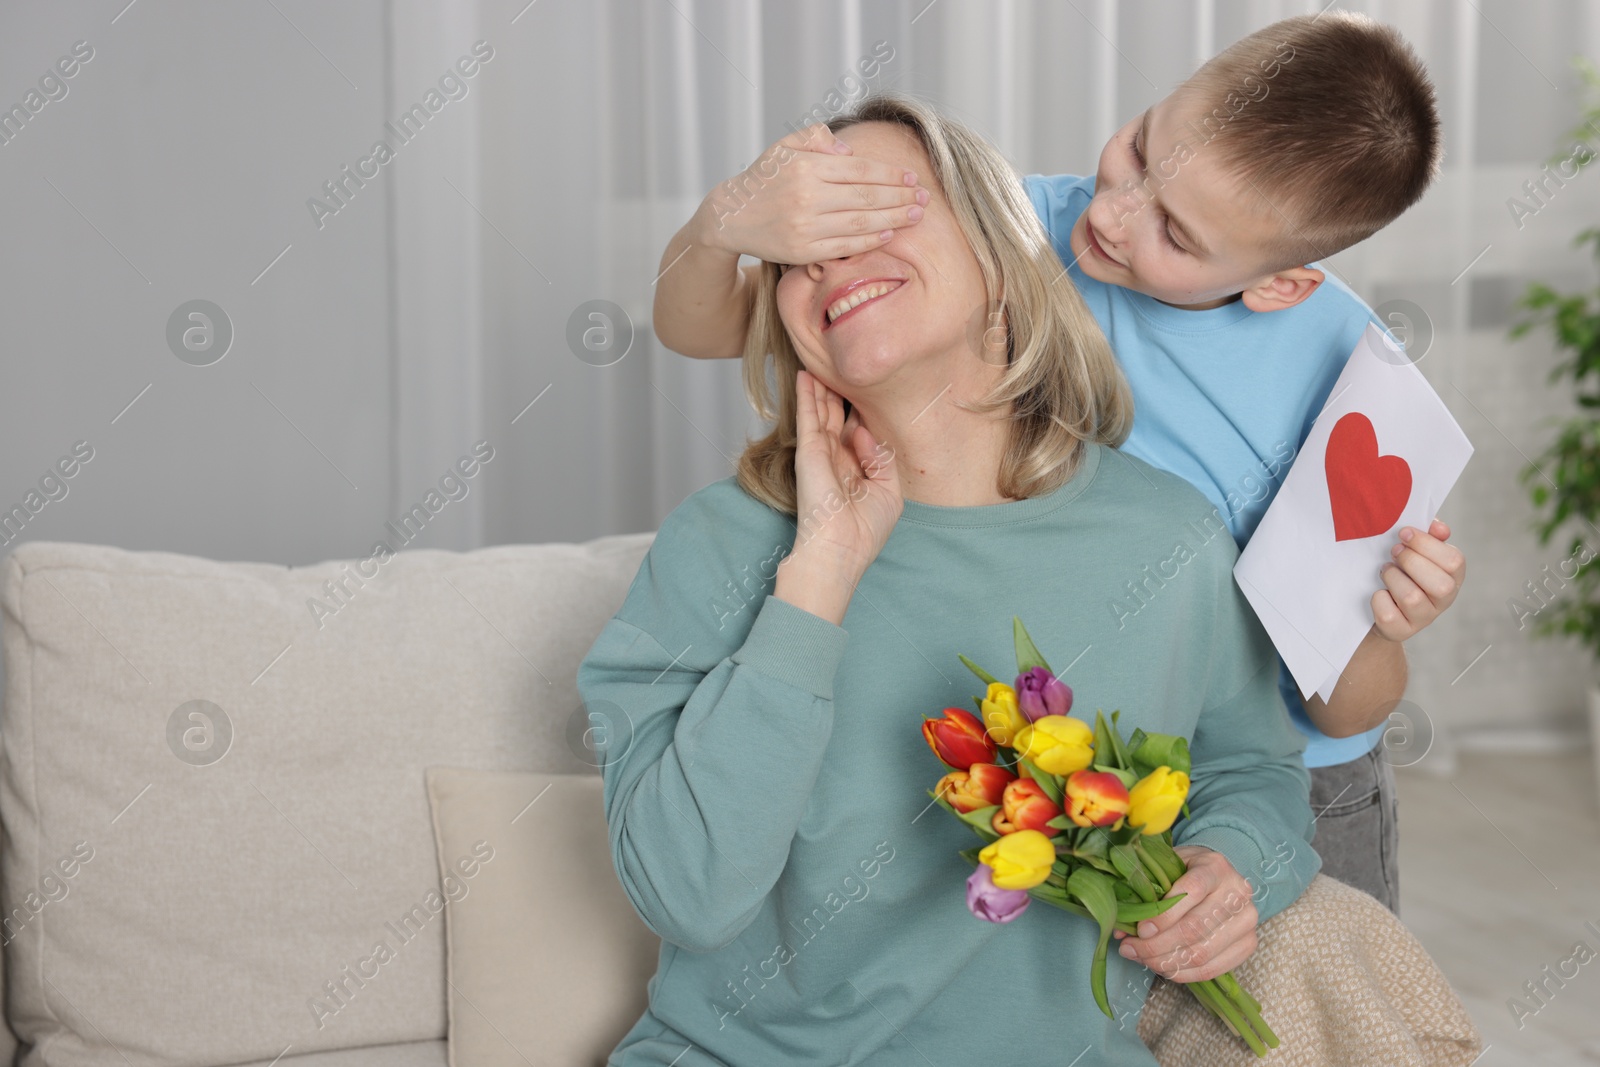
{"points": [[1168, 220]]}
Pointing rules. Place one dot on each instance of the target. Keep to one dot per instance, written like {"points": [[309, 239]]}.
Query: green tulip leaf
{"points": [[1123, 759], [1138, 911], [1103, 866], [980, 820], [1102, 739], [1056, 896], [1159, 876], [1108, 748], [1098, 860], [1061, 822], [1028, 656], [1164, 750], [1126, 861], [1046, 890], [988, 678], [1046, 780], [1094, 890], [1096, 842], [1157, 848]]}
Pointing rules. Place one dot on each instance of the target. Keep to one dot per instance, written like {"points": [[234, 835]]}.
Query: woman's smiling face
{"points": [[904, 307]]}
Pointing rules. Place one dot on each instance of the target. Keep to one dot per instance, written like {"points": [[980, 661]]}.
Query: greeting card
{"points": [[1383, 454]]}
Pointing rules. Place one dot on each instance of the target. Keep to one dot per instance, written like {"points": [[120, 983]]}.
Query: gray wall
{"points": [[177, 167]]}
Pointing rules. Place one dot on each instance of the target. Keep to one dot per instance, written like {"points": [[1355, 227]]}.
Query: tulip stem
{"points": [[1207, 995], [1231, 985], [1219, 1002], [1216, 996], [1248, 1006]]}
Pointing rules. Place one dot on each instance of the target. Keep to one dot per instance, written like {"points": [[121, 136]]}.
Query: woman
{"points": [[791, 627]]}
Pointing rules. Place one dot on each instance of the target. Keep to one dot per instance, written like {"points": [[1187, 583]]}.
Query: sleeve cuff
{"points": [[794, 646], [1238, 847], [1276, 881]]}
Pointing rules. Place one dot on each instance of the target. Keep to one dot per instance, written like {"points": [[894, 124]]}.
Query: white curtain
{"points": [[609, 120]]}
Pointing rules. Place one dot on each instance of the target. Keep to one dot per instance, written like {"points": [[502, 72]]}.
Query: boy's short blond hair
{"points": [[1331, 118]]}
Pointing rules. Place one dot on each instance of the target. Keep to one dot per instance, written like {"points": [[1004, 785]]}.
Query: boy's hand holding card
{"points": [[1423, 582], [1383, 455]]}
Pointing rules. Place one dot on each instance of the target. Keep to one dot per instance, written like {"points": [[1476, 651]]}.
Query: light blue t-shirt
{"points": [[1223, 397]]}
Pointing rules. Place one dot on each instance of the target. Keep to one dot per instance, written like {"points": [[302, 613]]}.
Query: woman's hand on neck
{"points": [[847, 501]]}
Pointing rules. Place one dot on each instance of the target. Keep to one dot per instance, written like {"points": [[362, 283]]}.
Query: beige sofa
{"points": [[211, 900], [214, 791]]}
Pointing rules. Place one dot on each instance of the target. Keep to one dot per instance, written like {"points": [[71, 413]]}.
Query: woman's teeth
{"points": [[860, 296]]}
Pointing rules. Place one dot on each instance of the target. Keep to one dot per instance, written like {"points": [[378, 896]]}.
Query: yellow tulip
{"points": [[1020, 860], [1155, 800], [1057, 744], [1001, 715]]}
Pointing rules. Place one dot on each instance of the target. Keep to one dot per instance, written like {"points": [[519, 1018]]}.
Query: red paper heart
{"points": [[1368, 491]]}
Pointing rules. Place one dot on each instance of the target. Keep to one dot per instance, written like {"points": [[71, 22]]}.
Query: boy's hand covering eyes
{"points": [[1421, 583], [806, 199]]}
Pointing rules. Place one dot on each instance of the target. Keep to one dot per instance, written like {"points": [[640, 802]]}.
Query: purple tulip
{"points": [[991, 903], [1040, 693]]}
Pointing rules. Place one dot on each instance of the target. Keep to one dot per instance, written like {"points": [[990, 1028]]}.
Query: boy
{"points": [[1188, 244]]}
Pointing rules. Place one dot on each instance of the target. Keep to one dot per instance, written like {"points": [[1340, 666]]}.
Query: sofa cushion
{"points": [[217, 835], [549, 962]]}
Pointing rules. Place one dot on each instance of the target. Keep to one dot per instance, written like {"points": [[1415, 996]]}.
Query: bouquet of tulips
{"points": [[1073, 815]]}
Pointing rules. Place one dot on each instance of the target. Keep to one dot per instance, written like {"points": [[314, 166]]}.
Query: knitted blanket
{"points": [[1341, 982]]}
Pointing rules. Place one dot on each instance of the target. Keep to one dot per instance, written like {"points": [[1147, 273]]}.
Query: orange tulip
{"points": [[1025, 806], [1096, 798], [979, 786], [958, 739]]}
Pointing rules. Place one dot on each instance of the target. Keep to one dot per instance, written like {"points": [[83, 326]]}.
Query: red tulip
{"points": [[1025, 806], [1096, 798], [979, 786], [958, 739]]}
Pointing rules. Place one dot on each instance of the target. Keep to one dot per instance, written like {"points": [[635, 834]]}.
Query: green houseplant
{"points": [[1564, 481]]}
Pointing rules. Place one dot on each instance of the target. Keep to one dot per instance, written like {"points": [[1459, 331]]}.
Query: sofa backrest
{"points": [[212, 782]]}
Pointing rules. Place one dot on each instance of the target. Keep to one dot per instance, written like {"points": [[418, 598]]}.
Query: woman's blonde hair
{"points": [[1062, 381]]}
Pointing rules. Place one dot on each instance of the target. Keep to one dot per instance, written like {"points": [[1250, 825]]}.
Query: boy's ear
{"points": [[1283, 289]]}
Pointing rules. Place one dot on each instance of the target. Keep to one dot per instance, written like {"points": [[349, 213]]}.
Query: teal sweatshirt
{"points": [[767, 795]]}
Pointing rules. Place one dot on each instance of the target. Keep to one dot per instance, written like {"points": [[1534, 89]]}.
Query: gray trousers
{"points": [[1357, 830]]}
